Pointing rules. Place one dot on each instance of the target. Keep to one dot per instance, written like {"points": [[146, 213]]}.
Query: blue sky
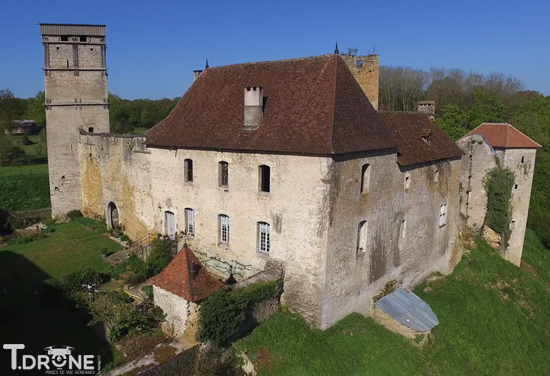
{"points": [[153, 47]]}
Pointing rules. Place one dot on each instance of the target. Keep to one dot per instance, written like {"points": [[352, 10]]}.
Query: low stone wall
{"points": [[25, 218]]}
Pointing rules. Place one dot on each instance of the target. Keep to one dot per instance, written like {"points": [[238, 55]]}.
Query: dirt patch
{"points": [[139, 344], [162, 354], [529, 268], [262, 362]]}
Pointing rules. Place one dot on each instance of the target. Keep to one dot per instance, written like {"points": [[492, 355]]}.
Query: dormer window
{"points": [[426, 135]]}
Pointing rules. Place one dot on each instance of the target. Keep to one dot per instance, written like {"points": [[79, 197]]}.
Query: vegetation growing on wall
{"points": [[498, 184], [224, 311]]}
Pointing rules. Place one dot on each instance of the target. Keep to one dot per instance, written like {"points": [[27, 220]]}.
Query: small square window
{"points": [[83, 38], [64, 38], [91, 130], [359, 64]]}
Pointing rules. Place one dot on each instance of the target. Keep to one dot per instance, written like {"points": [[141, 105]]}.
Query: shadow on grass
{"points": [[26, 317]]}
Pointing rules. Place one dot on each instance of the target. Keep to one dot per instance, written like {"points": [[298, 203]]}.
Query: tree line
{"points": [[125, 115]]}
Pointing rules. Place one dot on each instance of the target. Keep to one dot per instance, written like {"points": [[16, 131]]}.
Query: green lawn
{"points": [[24, 316], [494, 320], [24, 170], [25, 191], [140, 130]]}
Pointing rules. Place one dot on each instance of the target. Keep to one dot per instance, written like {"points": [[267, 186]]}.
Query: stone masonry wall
{"points": [[146, 183], [367, 74], [391, 253], [177, 310]]}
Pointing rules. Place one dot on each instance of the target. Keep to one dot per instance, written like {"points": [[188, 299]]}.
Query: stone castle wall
{"points": [[391, 253], [366, 70], [145, 183]]}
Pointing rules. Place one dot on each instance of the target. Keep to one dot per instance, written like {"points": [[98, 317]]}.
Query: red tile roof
{"points": [[180, 279], [312, 106], [501, 135], [419, 139]]}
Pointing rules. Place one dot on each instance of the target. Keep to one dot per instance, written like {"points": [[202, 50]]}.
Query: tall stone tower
{"points": [[75, 75], [366, 70]]}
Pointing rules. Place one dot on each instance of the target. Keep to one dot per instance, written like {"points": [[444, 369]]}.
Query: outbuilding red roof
{"points": [[503, 135], [312, 106], [419, 139], [186, 277]]}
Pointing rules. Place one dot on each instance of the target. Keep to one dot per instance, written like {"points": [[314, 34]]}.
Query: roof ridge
{"points": [[271, 61]]}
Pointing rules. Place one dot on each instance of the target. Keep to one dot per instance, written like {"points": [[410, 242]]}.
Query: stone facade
{"points": [[366, 70], [75, 76], [177, 310], [480, 157]]}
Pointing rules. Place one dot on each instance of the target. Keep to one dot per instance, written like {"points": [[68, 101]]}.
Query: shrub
{"points": [[21, 240], [159, 258], [124, 238], [223, 312], [148, 290], [116, 270], [73, 214]]}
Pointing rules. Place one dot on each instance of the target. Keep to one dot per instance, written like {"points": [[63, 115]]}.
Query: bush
{"points": [[21, 240], [223, 312], [159, 258], [148, 290], [73, 214], [116, 270], [124, 238]]}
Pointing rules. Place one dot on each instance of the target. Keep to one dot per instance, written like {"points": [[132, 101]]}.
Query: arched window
{"points": [[362, 237], [188, 170], [264, 178], [264, 237], [223, 223], [223, 174], [365, 178]]}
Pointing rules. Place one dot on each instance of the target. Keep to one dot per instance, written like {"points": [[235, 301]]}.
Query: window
{"points": [[436, 176], [223, 174], [365, 178], [64, 38], [224, 229], [264, 237], [359, 64], [188, 170], [403, 228], [361, 238], [522, 159], [190, 221], [443, 215], [265, 178], [515, 186], [90, 129], [407, 181], [82, 38]]}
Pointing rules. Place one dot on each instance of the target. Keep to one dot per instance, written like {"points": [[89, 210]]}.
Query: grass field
{"points": [[24, 191], [140, 130], [494, 320], [23, 316], [29, 149], [24, 170]]}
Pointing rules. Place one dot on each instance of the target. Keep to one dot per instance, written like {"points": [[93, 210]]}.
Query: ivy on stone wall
{"points": [[498, 184], [224, 311]]}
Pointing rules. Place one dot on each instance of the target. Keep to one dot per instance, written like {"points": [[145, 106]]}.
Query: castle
{"points": [[282, 160]]}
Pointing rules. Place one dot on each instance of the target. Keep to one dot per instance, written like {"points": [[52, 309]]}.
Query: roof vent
{"points": [[253, 107]]}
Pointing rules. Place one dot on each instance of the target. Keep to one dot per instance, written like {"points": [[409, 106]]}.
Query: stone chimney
{"points": [[427, 107], [253, 107], [197, 74]]}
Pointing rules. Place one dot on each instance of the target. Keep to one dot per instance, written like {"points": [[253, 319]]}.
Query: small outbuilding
{"points": [[180, 287]]}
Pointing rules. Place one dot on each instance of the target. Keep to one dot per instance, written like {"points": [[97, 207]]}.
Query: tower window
{"points": [[264, 176], [522, 159], [361, 238], [359, 64], [223, 174], [83, 38], [365, 178], [64, 38], [188, 170], [403, 228], [515, 186], [223, 223], [190, 221], [436, 176], [264, 237], [90, 129]]}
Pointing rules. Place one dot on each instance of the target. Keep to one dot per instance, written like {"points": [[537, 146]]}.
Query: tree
{"points": [[486, 109], [453, 121], [11, 109], [35, 109]]}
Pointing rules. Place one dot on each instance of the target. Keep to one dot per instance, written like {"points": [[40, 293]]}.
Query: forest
{"points": [[464, 100]]}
